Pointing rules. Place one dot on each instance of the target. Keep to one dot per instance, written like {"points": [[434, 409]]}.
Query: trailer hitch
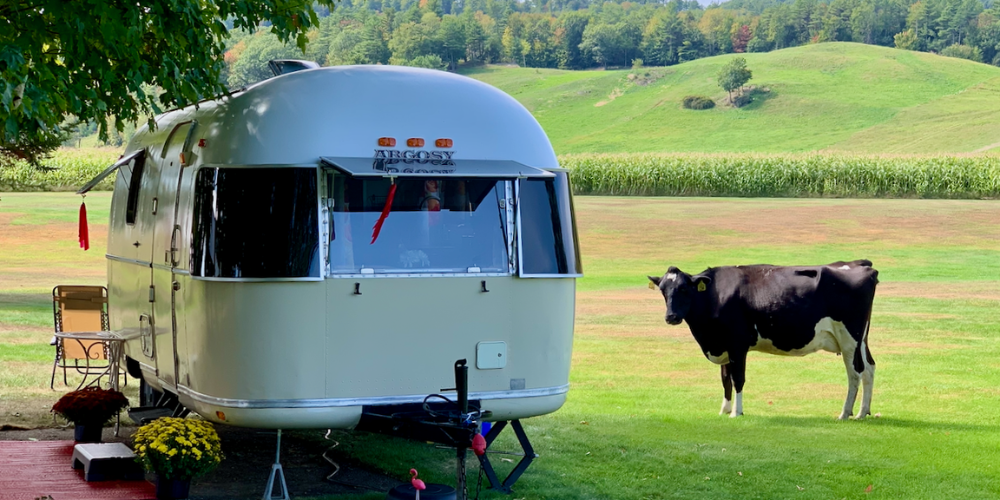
{"points": [[454, 424]]}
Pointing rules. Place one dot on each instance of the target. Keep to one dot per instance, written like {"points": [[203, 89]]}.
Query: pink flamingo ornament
{"points": [[418, 484]]}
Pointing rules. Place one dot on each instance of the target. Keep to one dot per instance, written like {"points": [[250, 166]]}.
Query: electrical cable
{"points": [[336, 466]]}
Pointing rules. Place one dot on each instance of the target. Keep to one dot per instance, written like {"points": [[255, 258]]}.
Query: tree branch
{"points": [[12, 10]]}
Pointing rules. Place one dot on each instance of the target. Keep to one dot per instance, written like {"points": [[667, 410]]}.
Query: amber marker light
{"points": [[222, 416], [386, 142], [444, 143], [415, 142]]}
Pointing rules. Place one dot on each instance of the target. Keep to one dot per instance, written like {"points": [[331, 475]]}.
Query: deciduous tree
{"points": [[91, 58], [733, 76], [906, 40]]}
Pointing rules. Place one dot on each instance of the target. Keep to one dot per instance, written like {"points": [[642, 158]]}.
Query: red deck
{"points": [[32, 469]]}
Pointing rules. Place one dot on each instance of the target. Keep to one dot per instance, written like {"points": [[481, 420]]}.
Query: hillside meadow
{"points": [[828, 97], [641, 421]]}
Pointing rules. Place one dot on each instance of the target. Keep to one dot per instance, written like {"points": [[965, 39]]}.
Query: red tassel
{"points": [[385, 213], [84, 233]]}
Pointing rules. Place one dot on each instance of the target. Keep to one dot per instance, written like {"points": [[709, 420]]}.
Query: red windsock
{"points": [[84, 233], [479, 445], [385, 213]]}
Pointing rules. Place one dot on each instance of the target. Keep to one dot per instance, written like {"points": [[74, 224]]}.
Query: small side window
{"points": [[133, 188], [548, 228]]}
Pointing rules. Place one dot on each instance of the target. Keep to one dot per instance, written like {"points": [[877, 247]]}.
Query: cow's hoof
{"points": [[861, 416], [844, 416], [734, 415]]}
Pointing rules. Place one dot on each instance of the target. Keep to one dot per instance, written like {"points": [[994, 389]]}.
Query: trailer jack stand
{"points": [[282, 490], [487, 467]]}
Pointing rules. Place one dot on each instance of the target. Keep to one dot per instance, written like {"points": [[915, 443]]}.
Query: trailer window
{"points": [[255, 223], [432, 226], [135, 182], [548, 228]]}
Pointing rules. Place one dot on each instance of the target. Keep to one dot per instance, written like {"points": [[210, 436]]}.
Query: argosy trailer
{"points": [[331, 240]]}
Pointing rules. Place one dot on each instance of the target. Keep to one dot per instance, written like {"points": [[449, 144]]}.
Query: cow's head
{"points": [[679, 289]]}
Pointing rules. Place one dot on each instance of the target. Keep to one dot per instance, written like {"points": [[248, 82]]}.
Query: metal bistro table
{"points": [[107, 340]]}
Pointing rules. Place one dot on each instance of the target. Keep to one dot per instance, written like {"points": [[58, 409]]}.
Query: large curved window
{"points": [[547, 228], [426, 225], [255, 223]]}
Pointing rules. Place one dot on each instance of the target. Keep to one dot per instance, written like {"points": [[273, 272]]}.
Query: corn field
{"points": [[66, 170], [802, 176], [676, 174]]}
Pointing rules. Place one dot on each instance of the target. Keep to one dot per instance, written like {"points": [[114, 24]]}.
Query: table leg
{"points": [[86, 354]]}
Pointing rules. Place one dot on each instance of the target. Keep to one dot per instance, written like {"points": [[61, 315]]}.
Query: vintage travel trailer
{"points": [[330, 241]]}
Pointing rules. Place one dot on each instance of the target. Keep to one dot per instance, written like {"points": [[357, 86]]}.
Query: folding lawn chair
{"points": [[80, 309]]}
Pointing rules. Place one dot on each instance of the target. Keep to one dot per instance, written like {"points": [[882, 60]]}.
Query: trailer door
{"points": [[164, 285]]}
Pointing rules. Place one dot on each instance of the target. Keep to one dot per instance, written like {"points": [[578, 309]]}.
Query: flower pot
{"points": [[172, 489], [88, 433]]}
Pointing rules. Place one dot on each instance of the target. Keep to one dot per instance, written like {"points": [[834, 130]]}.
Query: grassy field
{"points": [[824, 97], [641, 420]]}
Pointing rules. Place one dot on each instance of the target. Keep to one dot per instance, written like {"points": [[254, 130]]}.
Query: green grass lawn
{"points": [[641, 420], [830, 97]]}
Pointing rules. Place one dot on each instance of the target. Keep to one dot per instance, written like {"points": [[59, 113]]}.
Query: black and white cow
{"points": [[779, 310]]}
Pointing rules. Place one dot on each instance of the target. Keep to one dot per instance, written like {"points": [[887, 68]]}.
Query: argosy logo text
{"points": [[385, 158]]}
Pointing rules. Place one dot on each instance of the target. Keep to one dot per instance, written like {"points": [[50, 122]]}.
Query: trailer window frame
{"points": [[134, 187], [205, 261], [332, 203], [561, 223]]}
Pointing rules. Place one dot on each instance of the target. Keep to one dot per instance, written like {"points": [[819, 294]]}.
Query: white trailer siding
{"points": [[307, 353]]}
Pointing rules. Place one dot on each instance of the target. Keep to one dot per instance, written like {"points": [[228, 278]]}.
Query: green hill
{"points": [[842, 97]]}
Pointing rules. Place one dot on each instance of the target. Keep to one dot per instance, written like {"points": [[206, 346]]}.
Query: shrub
{"points": [[178, 448], [90, 406], [963, 52], [432, 61], [697, 102], [906, 40]]}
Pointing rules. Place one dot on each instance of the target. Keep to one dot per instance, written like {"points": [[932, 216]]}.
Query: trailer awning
{"points": [[433, 167], [108, 171]]}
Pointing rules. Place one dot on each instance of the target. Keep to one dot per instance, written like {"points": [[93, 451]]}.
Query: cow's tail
{"points": [[868, 321]]}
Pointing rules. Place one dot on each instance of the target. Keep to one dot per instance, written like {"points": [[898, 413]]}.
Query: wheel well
{"points": [[133, 368]]}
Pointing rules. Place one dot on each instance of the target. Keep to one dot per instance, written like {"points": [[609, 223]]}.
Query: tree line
{"points": [[580, 34]]}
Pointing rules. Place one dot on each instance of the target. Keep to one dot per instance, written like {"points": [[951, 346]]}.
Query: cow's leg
{"points": [[727, 386], [849, 350], [853, 381], [867, 379], [737, 370]]}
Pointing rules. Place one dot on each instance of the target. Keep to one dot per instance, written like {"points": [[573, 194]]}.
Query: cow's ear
{"points": [[656, 281], [702, 282]]}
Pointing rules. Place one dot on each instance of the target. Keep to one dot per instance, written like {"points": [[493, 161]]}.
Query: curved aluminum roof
{"points": [[342, 111]]}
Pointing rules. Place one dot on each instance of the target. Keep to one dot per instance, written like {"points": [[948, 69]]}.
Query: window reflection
{"points": [[548, 227], [433, 225], [255, 223]]}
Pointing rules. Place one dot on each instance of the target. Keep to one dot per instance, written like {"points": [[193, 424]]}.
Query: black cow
{"points": [[779, 310]]}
